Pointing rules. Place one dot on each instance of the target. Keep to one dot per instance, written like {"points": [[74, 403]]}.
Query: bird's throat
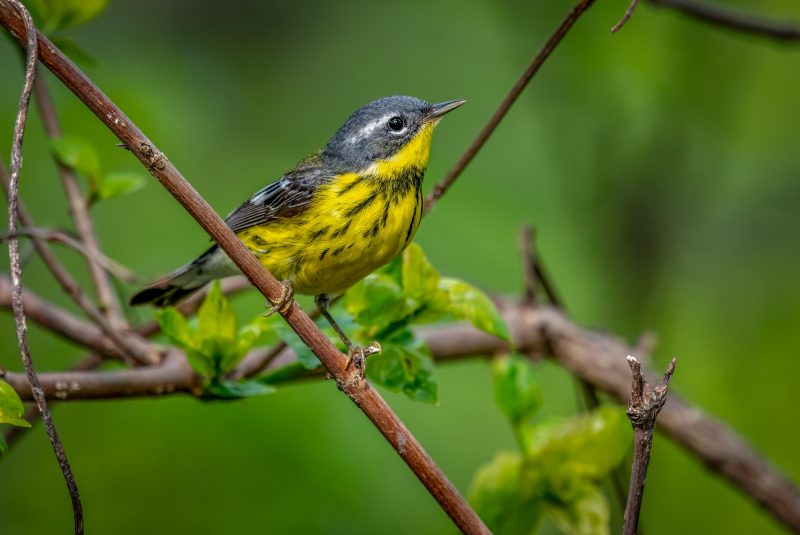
{"points": [[413, 155]]}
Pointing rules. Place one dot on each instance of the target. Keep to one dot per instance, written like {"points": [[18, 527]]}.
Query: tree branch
{"points": [[360, 392], [626, 17], [732, 20], [645, 404], [501, 111], [31, 47]]}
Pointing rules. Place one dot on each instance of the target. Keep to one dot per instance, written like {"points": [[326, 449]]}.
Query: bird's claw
{"points": [[357, 357], [284, 303]]}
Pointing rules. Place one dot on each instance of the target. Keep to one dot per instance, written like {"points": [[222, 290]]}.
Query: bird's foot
{"points": [[357, 357], [285, 301]]}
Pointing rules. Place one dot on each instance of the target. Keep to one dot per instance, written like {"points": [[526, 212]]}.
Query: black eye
{"points": [[396, 123]]}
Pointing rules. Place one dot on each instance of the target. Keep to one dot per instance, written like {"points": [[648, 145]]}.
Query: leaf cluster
{"points": [[556, 472]]}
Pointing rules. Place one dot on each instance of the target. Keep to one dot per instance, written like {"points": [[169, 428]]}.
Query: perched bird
{"points": [[340, 214]]}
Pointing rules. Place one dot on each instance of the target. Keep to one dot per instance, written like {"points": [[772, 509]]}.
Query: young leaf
{"points": [[419, 276], [375, 303], [215, 317], [11, 407], [500, 498], [515, 388], [587, 514], [77, 153], [587, 446], [53, 15], [405, 365], [466, 302], [117, 183], [175, 326]]}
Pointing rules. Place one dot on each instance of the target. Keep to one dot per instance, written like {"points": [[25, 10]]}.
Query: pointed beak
{"points": [[444, 107]]}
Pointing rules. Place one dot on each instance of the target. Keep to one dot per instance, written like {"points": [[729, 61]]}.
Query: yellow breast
{"points": [[356, 223]]}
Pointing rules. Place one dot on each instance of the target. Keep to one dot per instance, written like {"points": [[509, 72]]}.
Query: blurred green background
{"points": [[659, 166]]}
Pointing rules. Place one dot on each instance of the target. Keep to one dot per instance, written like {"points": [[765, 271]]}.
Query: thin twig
{"points": [[128, 342], [626, 17], [16, 269], [645, 404], [788, 31], [79, 211], [347, 379], [59, 236], [494, 121]]}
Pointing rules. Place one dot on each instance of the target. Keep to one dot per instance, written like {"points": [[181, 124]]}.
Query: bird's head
{"points": [[387, 136]]}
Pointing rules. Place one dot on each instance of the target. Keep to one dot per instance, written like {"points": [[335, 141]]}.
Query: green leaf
{"points": [[238, 389], [77, 153], [53, 15], [588, 514], [587, 446], [174, 325], [501, 499], [11, 407], [215, 317], [419, 277], [117, 183], [375, 303], [3, 446], [466, 302], [515, 388], [405, 365]]}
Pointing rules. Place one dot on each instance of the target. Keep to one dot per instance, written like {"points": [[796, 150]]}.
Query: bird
{"points": [[337, 216]]}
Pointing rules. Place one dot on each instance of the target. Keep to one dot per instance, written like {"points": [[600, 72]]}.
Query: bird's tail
{"points": [[176, 286]]}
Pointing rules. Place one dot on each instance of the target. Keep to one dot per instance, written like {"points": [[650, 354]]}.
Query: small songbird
{"points": [[340, 214]]}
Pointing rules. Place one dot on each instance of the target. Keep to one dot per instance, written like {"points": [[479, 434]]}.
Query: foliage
{"points": [[410, 291], [80, 155], [556, 472], [214, 345], [11, 411]]}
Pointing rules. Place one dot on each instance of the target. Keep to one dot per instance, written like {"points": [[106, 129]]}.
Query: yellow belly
{"points": [[354, 226]]}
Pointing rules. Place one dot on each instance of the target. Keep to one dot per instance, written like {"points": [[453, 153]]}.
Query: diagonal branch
{"points": [[736, 21], [31, 48], [360, 392], [501, 111]]}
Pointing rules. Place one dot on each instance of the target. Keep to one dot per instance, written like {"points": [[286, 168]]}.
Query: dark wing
{"points": [[284, 198]]}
